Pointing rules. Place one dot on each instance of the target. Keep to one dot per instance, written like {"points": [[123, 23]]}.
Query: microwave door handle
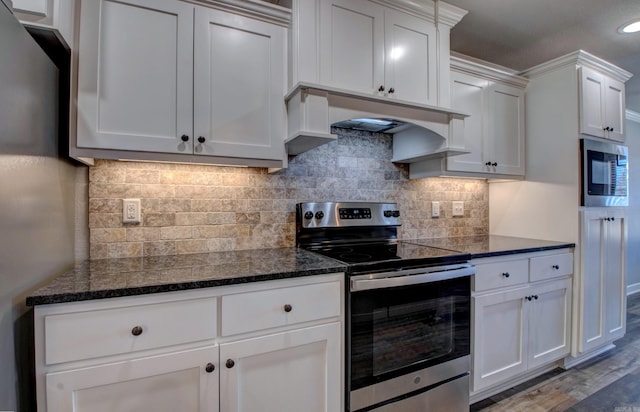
{"points": [[358, 285]]}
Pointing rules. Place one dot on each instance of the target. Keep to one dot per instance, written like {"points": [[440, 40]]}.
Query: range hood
{"points": [[419, 131]]}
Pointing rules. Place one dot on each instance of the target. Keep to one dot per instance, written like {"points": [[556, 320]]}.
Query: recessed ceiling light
{"points": [[630, 27]]}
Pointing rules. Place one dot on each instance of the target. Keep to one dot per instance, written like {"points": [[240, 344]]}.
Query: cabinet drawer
{"points": [[246, 312], [501, 274], [94, 333], [548, 267]]}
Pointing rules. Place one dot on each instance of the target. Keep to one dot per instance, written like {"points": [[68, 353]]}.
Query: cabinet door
{"points": [[499, 337], [549, 322], [592, 101], [504, 145], [135, 75], [614, 98], [167, 383], [351, 45], [615, 296], [591, 293], [410, 58], [240, 78], [292, 371], [468, 95]]}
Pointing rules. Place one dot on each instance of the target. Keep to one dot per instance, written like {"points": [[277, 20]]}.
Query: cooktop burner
{"points": [[388, 255]]}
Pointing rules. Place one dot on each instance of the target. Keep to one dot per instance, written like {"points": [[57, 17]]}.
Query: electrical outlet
{"points": [[130, 210], [458, 208], [435, 209]]}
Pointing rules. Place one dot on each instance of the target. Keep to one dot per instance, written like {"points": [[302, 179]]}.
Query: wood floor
{"points": [[609, 382]]}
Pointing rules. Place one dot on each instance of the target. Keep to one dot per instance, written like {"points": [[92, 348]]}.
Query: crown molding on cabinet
{"points": [[470, 65], [582, 58], [256, 9], [448, 14], [632, 116]]}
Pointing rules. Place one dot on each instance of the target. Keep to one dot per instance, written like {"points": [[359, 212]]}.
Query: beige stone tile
{"points": [[98, 251], [159, 248], [191, 246], [176, 232], [105, 220], [156, 190], [159, 219], [126, 249], [143, 234], [176, 177], [106, 175], [222, 218], [105, 205], [191, 218], [105, 235], [144, 176]]}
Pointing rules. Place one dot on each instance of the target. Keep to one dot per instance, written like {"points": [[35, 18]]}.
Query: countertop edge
{"points": [[520, 251], [173, 287]]}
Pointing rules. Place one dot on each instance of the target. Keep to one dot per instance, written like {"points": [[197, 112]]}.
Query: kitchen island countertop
{"points": [[107, 278]]}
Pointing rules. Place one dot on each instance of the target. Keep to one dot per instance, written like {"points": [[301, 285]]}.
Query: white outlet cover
{"points": [[458, 208], [435, 209], [130, 210]]}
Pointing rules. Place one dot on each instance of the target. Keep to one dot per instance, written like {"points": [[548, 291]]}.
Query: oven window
{"points": [[398, 330]]}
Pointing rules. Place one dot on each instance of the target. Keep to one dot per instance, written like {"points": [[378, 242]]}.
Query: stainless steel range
{"points": [[408, 320]]}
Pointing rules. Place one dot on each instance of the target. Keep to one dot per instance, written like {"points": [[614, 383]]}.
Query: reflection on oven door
{"points": [[452, 396]]}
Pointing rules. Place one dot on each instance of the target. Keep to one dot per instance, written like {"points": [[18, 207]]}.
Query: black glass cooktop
{"points": [[389, 255]]}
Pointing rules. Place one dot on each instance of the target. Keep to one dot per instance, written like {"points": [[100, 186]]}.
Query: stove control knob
{"points": [[388, 213], [308, 215], [319, 215], [396, 213]]}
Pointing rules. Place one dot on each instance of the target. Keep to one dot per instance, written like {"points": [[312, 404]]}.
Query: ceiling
{"points": [[520, 34]]}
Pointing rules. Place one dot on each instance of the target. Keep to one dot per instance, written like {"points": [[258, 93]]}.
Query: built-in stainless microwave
{"points": [[604, 173]]}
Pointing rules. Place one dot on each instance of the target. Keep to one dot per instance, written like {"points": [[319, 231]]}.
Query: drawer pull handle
{"points": [[506, 274], [136, 331], [230, 363], [210, 367], [288, 308], [556, 267]]}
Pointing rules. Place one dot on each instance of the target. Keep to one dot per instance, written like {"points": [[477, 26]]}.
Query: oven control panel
{"points": [[344, 214]]}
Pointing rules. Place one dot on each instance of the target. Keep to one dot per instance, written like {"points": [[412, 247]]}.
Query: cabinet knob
{"points": [[230, 363], [611, 129], [535, 297], [506, 274], [528, 298], [201, 139], [487, 164], [184, 138], [381, 88], [613, 219], [136, 331], [288, 308], [556, 267], [210, 367], [494, 164], [392, 90]]}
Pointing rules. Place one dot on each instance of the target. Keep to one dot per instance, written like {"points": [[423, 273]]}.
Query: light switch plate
{"points": [[458, 208], [130, 210]]}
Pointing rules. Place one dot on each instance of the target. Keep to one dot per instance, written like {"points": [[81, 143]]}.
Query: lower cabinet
{"points": [[521, 326], [291, 362], [290, 371], [185, 381]]}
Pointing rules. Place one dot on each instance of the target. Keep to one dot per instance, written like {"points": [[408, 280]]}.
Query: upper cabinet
{"points": [[493, 134], [370, 48], [51, 14], [602, 105], [170, 80]]}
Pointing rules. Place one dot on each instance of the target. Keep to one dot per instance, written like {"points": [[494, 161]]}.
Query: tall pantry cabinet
{"points": [[562, 98]]}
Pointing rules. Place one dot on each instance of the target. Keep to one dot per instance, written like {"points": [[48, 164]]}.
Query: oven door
{"points": [[408, 321]]}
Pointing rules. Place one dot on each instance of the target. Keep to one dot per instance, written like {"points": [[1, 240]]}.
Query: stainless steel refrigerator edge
{"points": [[37, 198]]}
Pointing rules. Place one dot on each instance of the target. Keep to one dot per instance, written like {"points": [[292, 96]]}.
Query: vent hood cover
{"points": [[419, 131]]}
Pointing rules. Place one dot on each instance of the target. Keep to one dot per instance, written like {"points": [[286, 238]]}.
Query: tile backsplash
{"points": [[198, 208]]}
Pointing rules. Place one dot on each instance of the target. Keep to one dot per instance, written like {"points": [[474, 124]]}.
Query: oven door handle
{"points": [[360, 284]]}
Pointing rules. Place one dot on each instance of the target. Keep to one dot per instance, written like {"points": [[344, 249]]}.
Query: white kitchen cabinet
{"points": [[602, 289], [494, 131], [519, 324], [179, 381], [171, 351], [369, 48], [51, 14], [602, 105], [290, 371], [171, 77]]}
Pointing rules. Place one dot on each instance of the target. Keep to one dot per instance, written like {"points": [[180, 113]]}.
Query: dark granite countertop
{"points": [[491, 245], [107, 278]]}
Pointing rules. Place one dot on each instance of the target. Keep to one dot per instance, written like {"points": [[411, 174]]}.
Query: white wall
{"points": [[633, 212]]}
